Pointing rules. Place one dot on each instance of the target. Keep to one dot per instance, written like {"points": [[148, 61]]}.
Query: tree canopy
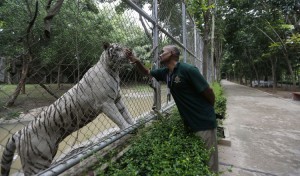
{"points": [[261, 40]]}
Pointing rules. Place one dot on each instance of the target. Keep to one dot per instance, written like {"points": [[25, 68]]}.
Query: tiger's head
{"points": [[115, 55]]}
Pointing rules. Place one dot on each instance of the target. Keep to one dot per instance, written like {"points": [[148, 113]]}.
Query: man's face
{"points": [[165, 55]]}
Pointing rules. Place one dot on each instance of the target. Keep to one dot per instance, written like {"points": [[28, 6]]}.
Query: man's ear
{"points": [[105, 45]]}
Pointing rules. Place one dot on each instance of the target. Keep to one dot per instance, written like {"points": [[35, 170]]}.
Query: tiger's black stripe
{"points": [[50, 148], [31, 146], [81, 89], [122, 110], [31, 170], [41, 154], [110, 97], [61, 117], [118, 99], [34, 129], [51, 109], [39, 122], [81, 108], [88, 83], [67, 111], [45, 127]]}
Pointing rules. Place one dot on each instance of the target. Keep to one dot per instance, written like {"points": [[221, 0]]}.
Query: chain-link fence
{"points": [[63, 89]]}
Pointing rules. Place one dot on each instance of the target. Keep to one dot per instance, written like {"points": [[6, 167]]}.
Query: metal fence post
{"points": [[157, 93], [184, 30], [195, 42], [212, 53]]}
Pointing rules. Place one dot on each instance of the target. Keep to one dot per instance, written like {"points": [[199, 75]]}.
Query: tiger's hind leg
{"points": [[112, 112], [38, 156], [124, 111]]}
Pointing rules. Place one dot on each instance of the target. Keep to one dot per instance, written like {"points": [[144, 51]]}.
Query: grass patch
{"points": [[12, 115], [35, 96], [142, 88]]}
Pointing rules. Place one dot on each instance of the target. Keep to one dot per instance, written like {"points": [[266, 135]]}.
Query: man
{"points": [[192, 94]]}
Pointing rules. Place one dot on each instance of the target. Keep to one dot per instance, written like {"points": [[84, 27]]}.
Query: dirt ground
{"points": [[282, 92]]}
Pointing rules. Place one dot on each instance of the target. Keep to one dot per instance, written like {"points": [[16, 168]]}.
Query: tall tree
{"points": [[202, 12]]}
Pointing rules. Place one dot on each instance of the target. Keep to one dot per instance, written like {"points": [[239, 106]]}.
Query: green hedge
{"points": [[288, 82], [220, 104], [163, 148]]}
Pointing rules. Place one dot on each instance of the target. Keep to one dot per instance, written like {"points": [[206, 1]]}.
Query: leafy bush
{"points": [[164, 148], [287, 82], [220, 104]]}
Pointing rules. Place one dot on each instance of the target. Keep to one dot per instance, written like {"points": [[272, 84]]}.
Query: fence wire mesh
{"points": [[68, 91]]}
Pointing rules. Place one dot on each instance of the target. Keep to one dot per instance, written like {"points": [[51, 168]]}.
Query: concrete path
{"points": [[264, 133]]}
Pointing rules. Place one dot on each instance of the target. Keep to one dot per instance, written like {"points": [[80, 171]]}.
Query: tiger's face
{"points": [[116, 56]]}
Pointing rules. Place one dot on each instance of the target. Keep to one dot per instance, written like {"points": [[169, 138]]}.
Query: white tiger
{"points": [[98, 91]]}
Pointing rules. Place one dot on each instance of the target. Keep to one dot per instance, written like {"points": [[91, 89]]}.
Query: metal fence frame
{"points": [[196, 54], [192, 54]]}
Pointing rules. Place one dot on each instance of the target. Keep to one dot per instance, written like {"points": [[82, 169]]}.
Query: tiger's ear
{"points": [[105, 45]]}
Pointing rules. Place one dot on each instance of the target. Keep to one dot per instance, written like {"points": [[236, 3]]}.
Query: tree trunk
{"points": [[220, 51], [205, 56], [24, 67], [255, 70], [27, 58], [212, 45], [21, 83], [51, 77], [286, 57], [58, 77], [9, 78], [241, 78], [273, 63], [51, 12], [251, 79], [205, 43]]}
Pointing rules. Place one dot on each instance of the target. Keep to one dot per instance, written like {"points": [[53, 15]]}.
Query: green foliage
{"points": [[201, 10], [259, 35], [220, 104], [77, 34], [168, 11], [164, 148]]}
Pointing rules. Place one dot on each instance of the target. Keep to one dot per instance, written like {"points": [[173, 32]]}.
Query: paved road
{"points": [[264, 133]]}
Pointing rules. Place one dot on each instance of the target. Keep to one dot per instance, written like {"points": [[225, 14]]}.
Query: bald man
{"points": [[192, 94]]}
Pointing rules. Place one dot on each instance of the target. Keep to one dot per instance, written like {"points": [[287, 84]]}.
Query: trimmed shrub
{"points": [[220, 104], [164, 148]]}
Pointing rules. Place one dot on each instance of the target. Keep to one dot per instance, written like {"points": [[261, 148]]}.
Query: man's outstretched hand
{"points": [[135, 60], [130, 56]]}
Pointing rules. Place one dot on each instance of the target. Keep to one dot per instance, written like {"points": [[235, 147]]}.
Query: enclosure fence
{"points": [[55, 88]]}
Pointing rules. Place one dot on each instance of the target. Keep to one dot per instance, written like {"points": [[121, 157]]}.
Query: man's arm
{"points": [[201, 85], [141, 67], [209, 95], [137, 62]]}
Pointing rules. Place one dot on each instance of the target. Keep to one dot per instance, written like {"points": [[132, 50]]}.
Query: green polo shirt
{"points": [[186, 84]]}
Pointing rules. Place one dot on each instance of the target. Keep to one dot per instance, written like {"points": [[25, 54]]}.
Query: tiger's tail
{"points": [[7, 156]]}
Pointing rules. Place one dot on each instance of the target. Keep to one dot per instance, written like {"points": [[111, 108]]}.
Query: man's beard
{"points": [[163, 62]]}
